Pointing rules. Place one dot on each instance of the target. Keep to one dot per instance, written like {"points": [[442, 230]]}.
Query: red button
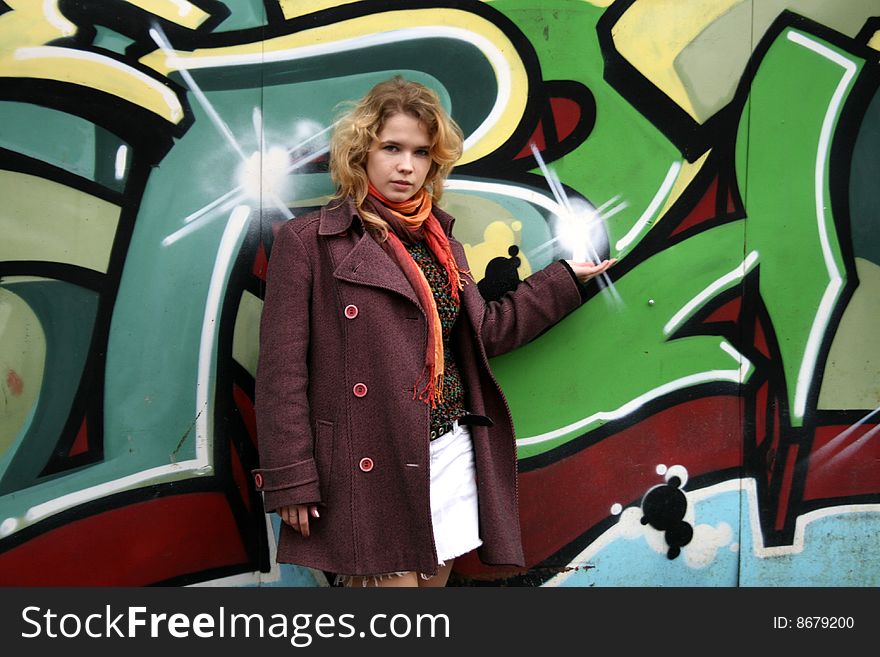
{"points": [[258, 480], [351, 311], [366, 464], [359, 390]]}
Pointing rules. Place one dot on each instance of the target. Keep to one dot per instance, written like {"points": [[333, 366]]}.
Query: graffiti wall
{"points": [[708, 417]]}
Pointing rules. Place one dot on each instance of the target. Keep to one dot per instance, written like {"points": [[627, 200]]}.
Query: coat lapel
{"points": [[368, 264]]}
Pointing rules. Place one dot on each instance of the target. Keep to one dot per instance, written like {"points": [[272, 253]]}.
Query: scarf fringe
{"points": [[432, 392]]}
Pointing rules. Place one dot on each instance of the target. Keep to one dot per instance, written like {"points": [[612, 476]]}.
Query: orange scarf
{"points": [[416, 215]]}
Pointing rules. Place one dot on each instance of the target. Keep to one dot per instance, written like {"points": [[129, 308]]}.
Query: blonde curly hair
{"points": [[358, 129]]}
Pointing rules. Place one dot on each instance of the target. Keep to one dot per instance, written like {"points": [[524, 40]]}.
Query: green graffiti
{"points": [[792, 226]]}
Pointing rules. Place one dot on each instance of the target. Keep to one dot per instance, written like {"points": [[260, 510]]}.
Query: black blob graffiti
{"points": [[663, 507], [501, 276]]}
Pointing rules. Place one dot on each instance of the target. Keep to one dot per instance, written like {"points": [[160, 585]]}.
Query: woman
{"points": [[385, 442]]}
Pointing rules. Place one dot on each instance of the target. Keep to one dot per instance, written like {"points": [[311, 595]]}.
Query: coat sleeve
{"points": [[287, 473], [535, 305]]}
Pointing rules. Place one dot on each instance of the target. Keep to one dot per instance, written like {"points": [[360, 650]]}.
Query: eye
{"points": [[391, 148], [422, 152]]}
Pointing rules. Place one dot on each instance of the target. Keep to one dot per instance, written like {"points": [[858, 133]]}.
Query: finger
{"points": [[291, 518], [313, 510], [303, 517]]}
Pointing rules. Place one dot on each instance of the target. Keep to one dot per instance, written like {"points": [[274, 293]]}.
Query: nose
{"points": [[404, 164]]}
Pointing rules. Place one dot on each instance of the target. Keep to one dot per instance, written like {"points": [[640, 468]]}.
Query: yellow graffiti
{"points": [[486, 229], [372, 30], [22, 363], [246, 335], [651, 35], [182, 12], [43, 220], [685, 175], [875, 41], [295, 8], [852, 370], [32, 24], [497, 238], [93, 71]]}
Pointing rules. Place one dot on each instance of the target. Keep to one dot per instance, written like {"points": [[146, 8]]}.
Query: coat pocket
{"points": [[324, 456]]}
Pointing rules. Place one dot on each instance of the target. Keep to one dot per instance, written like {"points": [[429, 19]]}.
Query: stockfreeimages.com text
{"points": [[301, 629]]}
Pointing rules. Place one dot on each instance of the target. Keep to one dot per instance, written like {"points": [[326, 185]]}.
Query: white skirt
{"points": [[454, 510]]}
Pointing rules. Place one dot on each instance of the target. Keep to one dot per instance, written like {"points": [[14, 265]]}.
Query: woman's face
{"points": [[399, 161]]}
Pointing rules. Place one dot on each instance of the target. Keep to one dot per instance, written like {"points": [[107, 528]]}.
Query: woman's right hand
{"points": [[297, 516], [587, 270]]}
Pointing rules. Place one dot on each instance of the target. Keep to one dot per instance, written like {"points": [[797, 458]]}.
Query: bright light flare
{"points": [[580, 227], [581, 231], [262, 176]]}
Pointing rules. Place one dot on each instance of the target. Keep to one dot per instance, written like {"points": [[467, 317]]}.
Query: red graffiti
{"points": [[14, 383]]}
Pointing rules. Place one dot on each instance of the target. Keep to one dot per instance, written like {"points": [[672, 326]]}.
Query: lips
{"points": [[401, 184]]}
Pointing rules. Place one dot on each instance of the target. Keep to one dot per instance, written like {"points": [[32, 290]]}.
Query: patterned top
{"points": [[452, 406]]}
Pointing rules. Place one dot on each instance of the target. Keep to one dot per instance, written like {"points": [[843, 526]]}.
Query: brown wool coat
{"points": [[338, 313]]}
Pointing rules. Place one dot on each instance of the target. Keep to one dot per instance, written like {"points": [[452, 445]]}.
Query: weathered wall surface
{"points": [[706, 418]]}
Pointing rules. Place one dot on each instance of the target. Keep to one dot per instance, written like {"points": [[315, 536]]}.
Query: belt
{"points": [[441, 430]]}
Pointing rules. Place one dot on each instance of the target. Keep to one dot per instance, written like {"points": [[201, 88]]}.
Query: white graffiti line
{"points": [[758, 548], [137, 480], [849, 450], [121, 162], [723, 283], [651, 210], [226, 252], [610, 201], [232, 196], [552, 179], [305, 159], [57, 19], [493, 54], [257, 120], [535, 198], [197, 220], [555, 207], [513, 191], [201, 464], [835, 283], [58, 53], [604, 216], [797, 543], [734, 376], [522, 193], [183, 7], [828, 448], [159, 38], [326, 149]]}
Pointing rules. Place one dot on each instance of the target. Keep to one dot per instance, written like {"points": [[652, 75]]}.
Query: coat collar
{"points": [[366, 263], [338, 216]]}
